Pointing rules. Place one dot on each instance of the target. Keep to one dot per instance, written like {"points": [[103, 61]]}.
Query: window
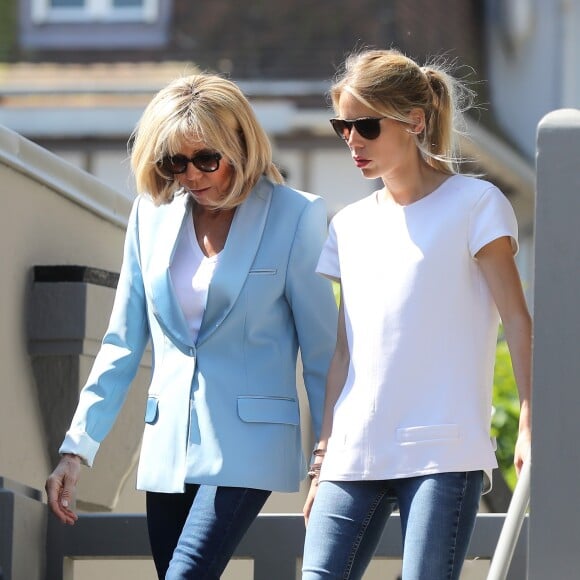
{"points": [[54, 11], [73, 25]]}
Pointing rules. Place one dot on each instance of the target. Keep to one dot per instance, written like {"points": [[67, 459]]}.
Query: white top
{"points": [[191, 273], [422, 330]]}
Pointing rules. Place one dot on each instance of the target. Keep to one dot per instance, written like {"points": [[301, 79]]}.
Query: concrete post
{"points": [[554, 535], [22, 532]]}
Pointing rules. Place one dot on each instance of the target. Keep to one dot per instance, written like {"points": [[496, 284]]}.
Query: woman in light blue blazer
{"points": [[219, 274]]}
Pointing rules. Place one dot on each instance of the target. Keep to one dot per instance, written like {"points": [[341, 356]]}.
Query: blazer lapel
{"points": [[163, 243], [238, 255]]}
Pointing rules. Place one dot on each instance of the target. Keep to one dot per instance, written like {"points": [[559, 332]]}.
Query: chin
{"points": [[369, 174]]}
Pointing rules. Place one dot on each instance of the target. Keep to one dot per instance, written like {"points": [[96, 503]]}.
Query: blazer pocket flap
{"points": [[427, 434], [268, 410], [263, 271], [152, 410]]}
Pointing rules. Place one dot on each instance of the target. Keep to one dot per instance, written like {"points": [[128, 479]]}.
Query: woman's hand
{"points": [[61, 488], [310, 500], [522, 450]]}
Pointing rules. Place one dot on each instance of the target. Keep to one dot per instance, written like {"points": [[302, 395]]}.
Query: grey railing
{"points": [[511, 530], [274, 543], [36, 546]]}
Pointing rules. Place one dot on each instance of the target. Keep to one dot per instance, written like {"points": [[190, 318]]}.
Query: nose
{"points": [[353, 137], [191, 171]]}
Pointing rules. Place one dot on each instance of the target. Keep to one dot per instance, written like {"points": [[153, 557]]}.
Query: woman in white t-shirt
{"points": [[426, 267]]}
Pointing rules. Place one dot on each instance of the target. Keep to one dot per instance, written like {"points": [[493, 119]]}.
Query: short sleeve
{"points": [[328, 262], [492, 217]]}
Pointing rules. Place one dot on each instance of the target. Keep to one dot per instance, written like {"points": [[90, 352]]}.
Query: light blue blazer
{"points": [[223, 410]]}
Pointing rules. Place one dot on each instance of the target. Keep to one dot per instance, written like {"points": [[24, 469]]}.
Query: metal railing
{"points": [[511, 529], [36, 546], [274, 543]]}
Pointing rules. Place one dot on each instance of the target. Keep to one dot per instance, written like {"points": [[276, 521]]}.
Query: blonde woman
{"points": [[219, 273], [426, 266]]}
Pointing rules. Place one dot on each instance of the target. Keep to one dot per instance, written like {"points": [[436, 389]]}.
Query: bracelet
{"points": [[319, 452], [314, 470]]}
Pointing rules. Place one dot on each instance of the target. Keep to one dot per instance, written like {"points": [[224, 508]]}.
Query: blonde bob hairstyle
{"points": [[394, 85], [209, 109]]}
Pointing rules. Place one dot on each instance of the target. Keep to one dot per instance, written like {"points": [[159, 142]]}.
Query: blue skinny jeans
{"points": [[348, 517], [194, 534]]}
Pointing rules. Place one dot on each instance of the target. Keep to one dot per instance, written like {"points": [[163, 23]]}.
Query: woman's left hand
{"points": [[61, 488], [310, 500], [522, 450]]}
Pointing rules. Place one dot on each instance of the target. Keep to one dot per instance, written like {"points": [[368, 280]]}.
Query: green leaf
{"points": [[506, 411]]}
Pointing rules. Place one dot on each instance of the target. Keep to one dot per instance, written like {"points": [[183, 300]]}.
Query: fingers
{"points": [[61, 489], [518, 461], [306, 511], [309, 501], [59, 508], [306, 514], [523, 450], [67, 503], [60, 502]]}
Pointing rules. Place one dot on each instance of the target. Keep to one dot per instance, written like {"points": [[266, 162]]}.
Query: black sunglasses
{"points": [[367, 127], [206, 161]]}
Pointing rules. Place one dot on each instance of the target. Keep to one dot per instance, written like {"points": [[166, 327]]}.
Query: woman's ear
{"points": [[417, 121]]}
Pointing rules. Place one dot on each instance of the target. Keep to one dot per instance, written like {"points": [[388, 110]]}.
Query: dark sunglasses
{"points": [[206, 161], [366, 127]]}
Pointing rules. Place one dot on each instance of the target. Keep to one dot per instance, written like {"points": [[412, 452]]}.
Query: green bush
{"points": [[8, 29], [506, 412]]}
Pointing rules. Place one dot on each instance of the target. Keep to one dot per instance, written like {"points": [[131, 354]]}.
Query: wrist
{"points": [[317, 457], [314, 471]]}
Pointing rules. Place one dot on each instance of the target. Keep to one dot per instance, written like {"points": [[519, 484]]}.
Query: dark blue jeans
{"points": [[348, 517], [194, 534]]}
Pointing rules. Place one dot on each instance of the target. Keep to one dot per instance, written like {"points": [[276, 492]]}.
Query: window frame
{"points": [[93, 11]]}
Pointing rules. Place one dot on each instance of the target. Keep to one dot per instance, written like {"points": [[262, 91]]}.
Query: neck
{"points": [[211, 228], [410, 186]]}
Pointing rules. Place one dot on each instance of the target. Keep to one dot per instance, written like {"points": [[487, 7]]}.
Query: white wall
{"points": [[533, 54]]}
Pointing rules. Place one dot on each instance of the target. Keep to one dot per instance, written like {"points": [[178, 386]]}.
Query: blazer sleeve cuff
{"points": [[80, 444]]}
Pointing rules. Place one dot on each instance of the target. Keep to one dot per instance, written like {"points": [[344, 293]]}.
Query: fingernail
{"points": [[64, 503]]}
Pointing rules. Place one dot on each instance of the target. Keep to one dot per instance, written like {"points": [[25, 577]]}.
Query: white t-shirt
{"points": [[191, 273], [421, 328]]}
